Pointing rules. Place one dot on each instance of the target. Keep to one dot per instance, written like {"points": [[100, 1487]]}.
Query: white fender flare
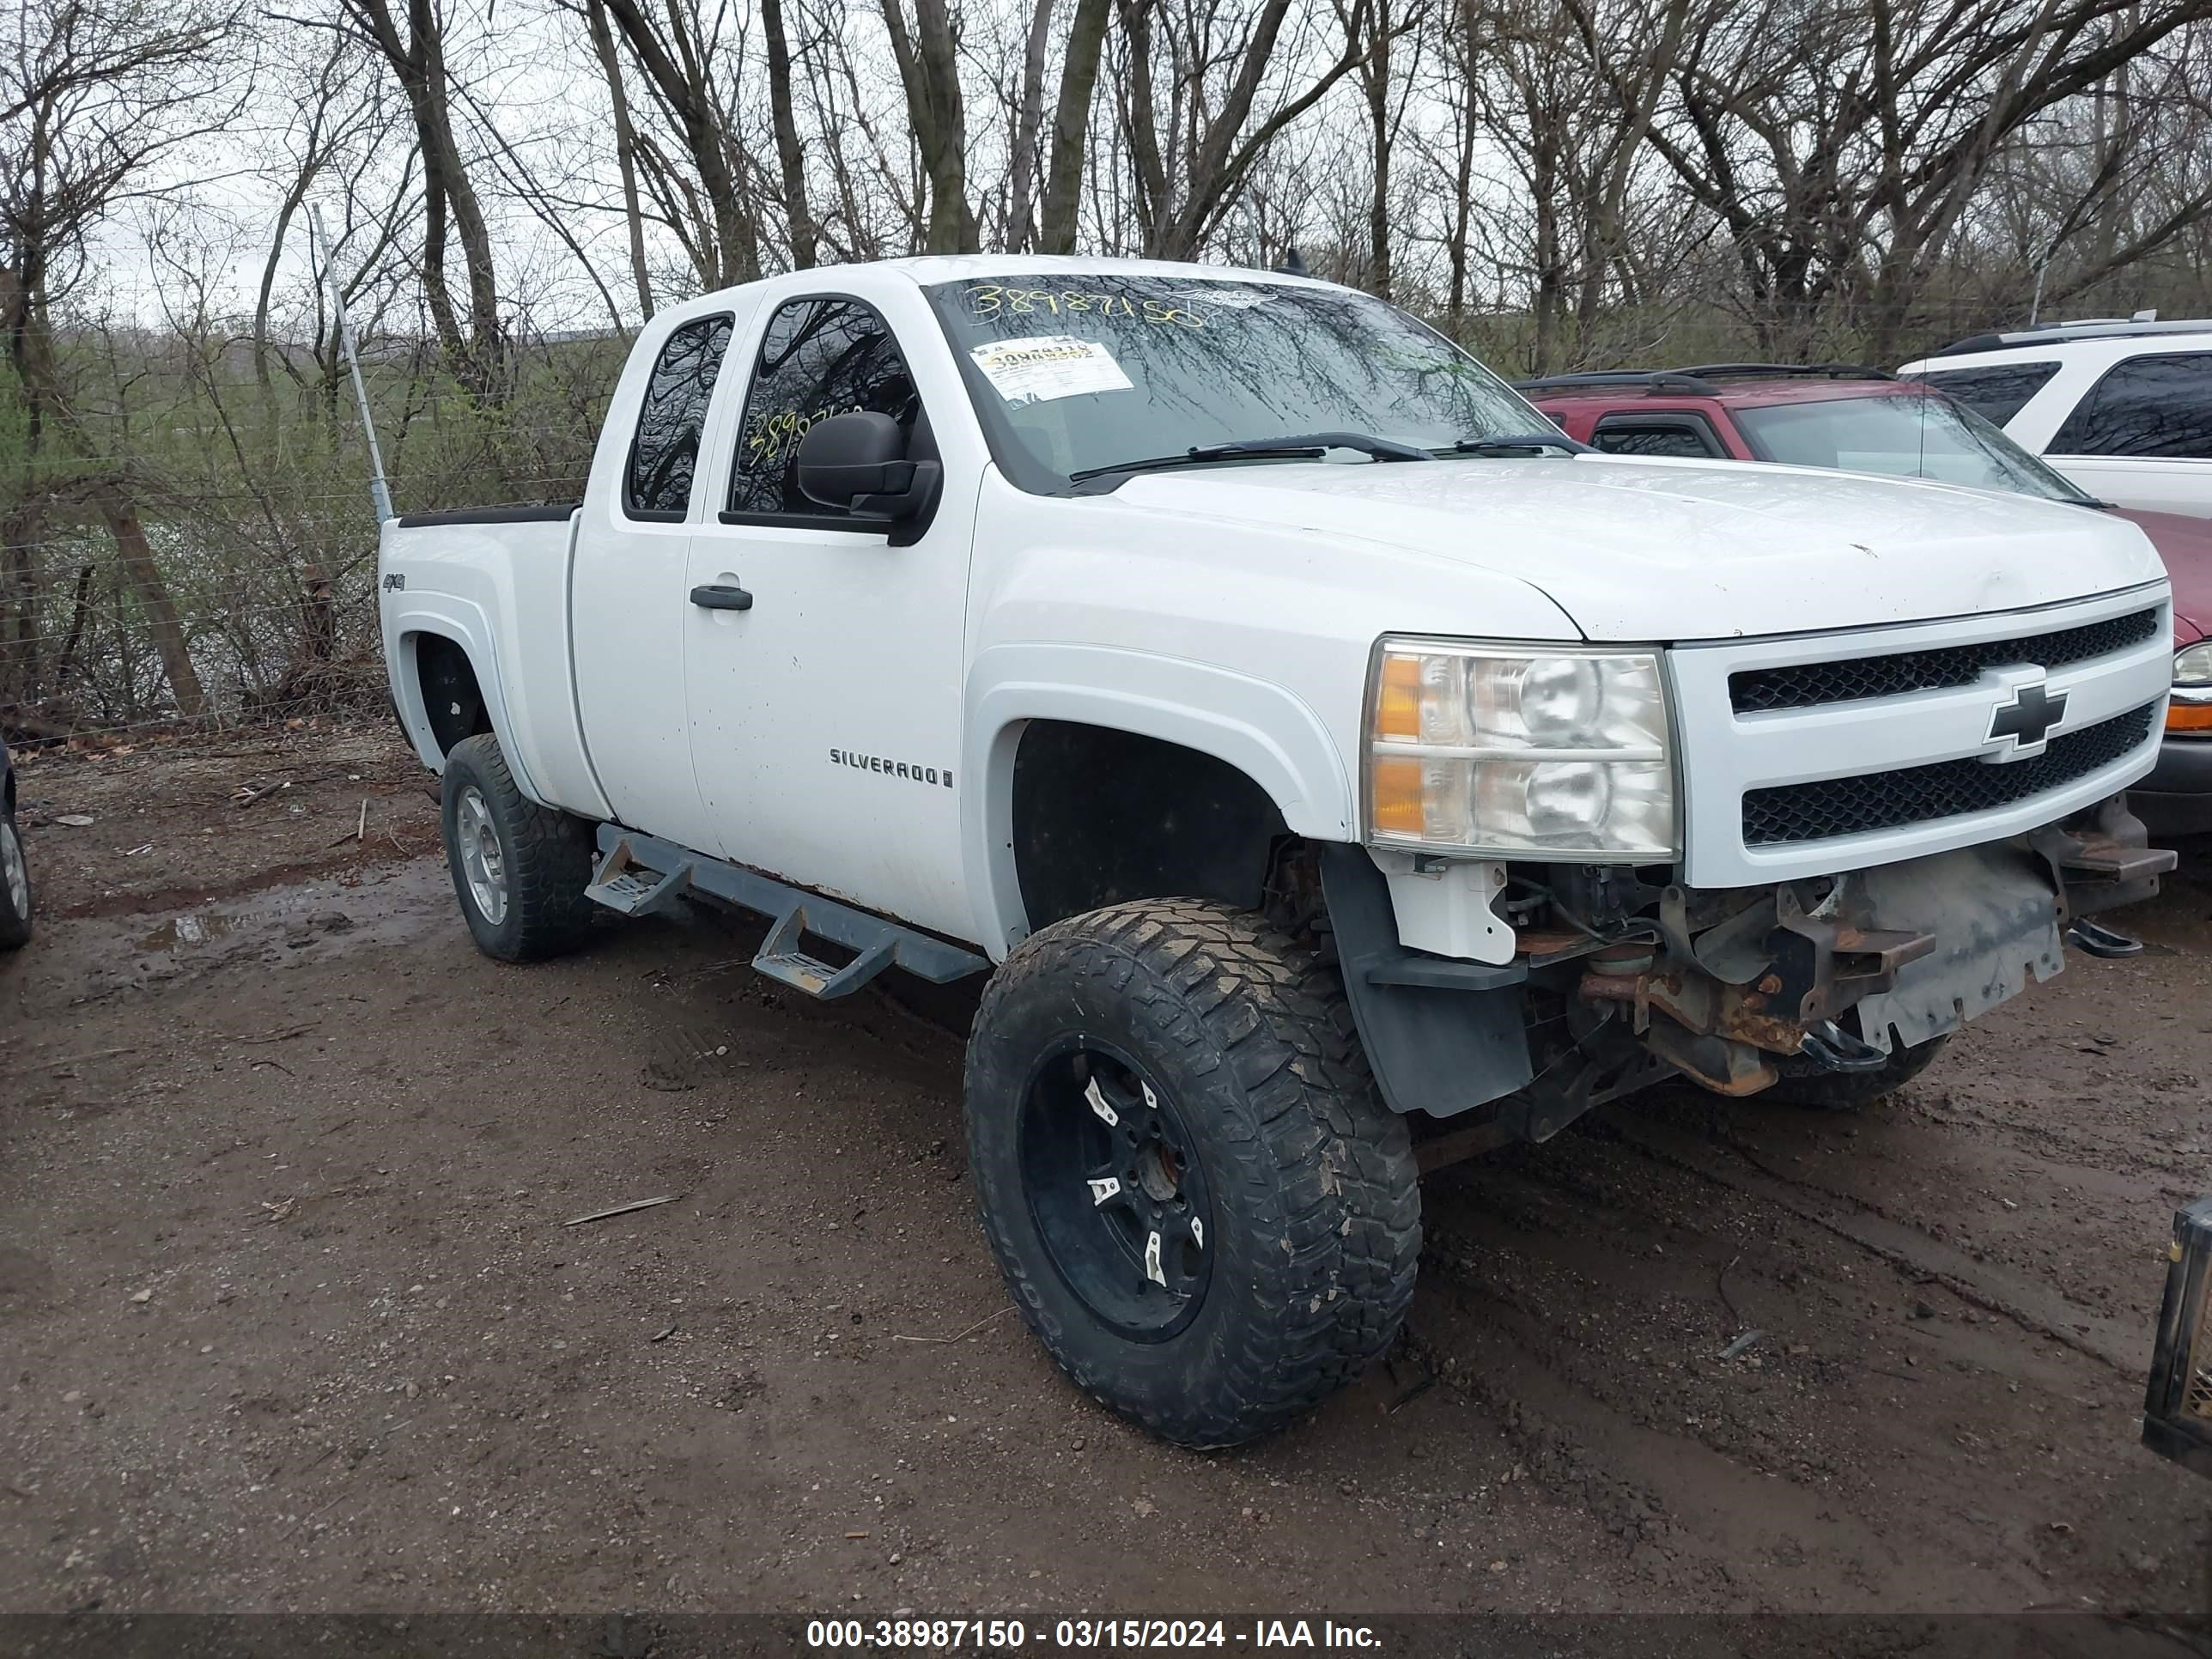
{"points": [[1269, 735], [463, 622]]}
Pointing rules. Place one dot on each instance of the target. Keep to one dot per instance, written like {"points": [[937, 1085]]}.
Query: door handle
{"points": [[721, 597]]}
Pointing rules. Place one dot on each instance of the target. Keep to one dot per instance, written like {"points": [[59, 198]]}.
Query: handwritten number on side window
{"points": [[773, 435]]}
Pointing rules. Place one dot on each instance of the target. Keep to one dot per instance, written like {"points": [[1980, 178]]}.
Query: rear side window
{"points": [[664, 454], [1996, 391], [819, 357], [1686, 437], [2157, 408]]}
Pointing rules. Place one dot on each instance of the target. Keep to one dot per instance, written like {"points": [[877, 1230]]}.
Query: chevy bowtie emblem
{"points": [[2027, 719]]}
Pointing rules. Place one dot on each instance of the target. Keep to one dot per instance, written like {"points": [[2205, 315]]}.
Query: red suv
{"points": [[1862, 420]]}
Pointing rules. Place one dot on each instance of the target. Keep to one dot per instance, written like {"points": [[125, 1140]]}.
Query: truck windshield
{"points": [[1077, 373], [1913, 436]]}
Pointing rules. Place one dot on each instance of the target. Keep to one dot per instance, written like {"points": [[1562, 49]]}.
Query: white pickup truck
{"points": [[1341, 769]]}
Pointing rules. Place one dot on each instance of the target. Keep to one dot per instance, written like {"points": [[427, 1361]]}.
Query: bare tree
{"points": [[97, 98], [878, 191], [625, 137], [333, 111], [1029, 122], [1447, 155], [1388, 73], [2098, 192], [1071, 125], [791, 159], [1840, 148], [1532, 102], [927, 50], [1219, 62], [417, 58], [716, 218]]}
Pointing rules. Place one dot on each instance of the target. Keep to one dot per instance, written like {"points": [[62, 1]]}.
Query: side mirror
{"points": [[858, 462]]}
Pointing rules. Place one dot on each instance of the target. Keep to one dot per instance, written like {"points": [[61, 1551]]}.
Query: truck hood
{"points": [[1664, 550]]}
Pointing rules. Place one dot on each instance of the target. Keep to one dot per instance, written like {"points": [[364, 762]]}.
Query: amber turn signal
{"points": [[1398, 793], [1398, 700]]}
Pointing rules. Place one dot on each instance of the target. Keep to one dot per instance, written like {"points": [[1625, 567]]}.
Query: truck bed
{"points": [[493, 581]]}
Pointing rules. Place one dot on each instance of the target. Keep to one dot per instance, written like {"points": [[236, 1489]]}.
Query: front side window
{"points": [[1073, 374], [2157, 408], [1995, 392], [819, 357], [1919, 435], [1619, 434], [665, 452]]}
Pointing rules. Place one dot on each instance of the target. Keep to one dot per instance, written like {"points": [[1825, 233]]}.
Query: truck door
{"points": [[630, 612], [825, 713]]}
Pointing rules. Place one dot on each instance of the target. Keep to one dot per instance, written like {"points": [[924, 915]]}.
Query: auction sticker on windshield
{"points": [[1048, 366]]}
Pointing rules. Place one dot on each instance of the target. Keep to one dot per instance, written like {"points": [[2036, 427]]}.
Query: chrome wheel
{"points": [[483, 861], [14, 872]]}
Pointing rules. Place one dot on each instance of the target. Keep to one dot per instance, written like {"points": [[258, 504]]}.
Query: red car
{"points": [[1865, 421]]}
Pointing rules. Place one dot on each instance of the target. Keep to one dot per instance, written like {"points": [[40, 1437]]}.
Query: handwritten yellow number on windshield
{"points": [[989, 300]]}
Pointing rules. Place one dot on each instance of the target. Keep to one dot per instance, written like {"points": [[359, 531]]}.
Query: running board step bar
{"points": [[621, 883], [638, 874], [780, 958]]}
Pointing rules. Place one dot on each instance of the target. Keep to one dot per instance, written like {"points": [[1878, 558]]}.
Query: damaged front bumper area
{"points": [[1728, 986], [1621, 978]]}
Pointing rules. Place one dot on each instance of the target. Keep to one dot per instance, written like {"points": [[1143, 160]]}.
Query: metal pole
{"points": [[380, 493]]}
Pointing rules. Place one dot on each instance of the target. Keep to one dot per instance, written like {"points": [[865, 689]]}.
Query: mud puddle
{"points": [[193, 928], [95, 958]]}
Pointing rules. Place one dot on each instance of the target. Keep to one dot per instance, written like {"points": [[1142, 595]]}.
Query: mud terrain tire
{"points": [[1204, 1068], [519, 869]]}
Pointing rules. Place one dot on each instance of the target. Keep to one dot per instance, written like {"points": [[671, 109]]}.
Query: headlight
{"points": [[2190, 710], [1479, 751]]}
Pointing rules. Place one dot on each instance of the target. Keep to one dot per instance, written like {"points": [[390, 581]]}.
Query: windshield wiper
{"points": [[1303, 446], [1513, 442]]}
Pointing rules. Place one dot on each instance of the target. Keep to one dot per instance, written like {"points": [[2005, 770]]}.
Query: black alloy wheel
{"points": [[1127, 1236]]}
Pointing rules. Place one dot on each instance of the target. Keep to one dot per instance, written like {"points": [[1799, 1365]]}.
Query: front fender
{"points": [[1268, 733]]}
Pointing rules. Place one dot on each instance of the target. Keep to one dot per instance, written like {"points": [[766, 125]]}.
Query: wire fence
{"points": [[222, 626], [195, 547], [91, 647]]}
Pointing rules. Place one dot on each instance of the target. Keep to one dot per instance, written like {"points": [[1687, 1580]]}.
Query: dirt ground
{"points": [[289, 1319]]}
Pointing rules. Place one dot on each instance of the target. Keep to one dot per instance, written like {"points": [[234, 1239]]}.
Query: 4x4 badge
{"points": [[2027, 719]]}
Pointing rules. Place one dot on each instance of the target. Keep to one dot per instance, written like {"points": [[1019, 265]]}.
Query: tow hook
{"points": [[1832, 1049], [2094, 940]]}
